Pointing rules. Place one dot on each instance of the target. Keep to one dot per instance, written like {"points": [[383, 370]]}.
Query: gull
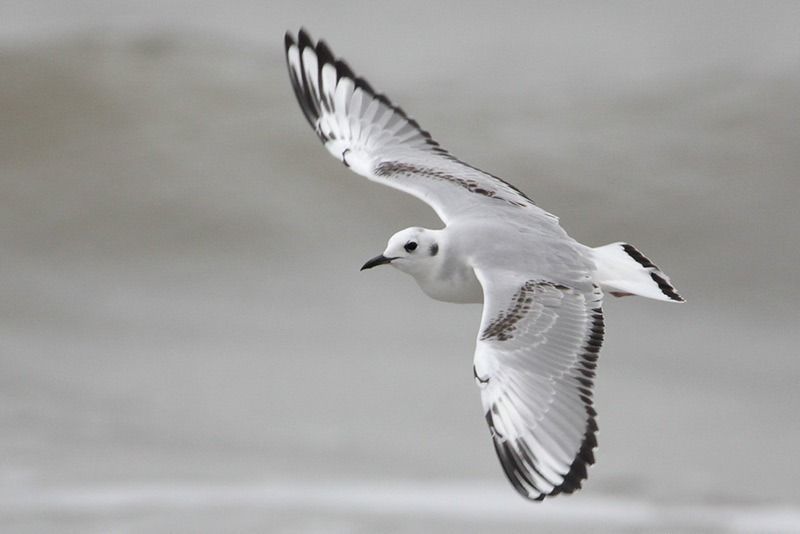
{"points": [[542, 291]]}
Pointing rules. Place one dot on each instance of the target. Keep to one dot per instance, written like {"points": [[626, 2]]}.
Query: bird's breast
{"points": [[456, 285]]}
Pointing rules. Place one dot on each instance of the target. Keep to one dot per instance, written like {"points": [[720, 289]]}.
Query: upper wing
{"points": [[378, 140], [534, 362]]}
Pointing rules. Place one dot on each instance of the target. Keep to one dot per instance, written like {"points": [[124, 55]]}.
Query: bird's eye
{"points": [[411, 246]]}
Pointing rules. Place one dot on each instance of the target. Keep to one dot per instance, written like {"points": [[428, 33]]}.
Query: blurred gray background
{"points": [[186, 344]]}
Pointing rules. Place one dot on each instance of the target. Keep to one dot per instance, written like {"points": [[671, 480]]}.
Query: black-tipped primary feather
{"points": [[324, 53]]}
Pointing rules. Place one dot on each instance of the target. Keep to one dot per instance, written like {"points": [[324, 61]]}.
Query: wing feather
{"points": [[368, 133], [534, 364]]}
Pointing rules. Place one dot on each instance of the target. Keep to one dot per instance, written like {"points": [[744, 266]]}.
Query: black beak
{"points": [[377, 260]]}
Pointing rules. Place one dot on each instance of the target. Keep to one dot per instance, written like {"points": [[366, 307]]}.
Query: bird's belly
{"points": [[461, 286]]}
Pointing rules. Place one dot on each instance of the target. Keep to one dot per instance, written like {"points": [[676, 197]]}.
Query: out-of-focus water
{"points": [[186, 342]]}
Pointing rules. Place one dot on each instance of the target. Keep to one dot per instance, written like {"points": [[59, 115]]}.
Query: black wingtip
{"points": [[343, 70], [304, 39], [299, 82], [288, 40], [324, 53], [308, 101]]}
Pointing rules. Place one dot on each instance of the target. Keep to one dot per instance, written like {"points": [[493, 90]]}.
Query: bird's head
{"points": [[410, 250]]}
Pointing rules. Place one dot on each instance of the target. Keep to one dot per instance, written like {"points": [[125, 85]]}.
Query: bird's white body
{"points": [[542, 291], [449, 276]]}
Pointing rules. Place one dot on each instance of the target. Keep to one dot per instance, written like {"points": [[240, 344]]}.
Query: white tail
{"points": [[622, 270]]}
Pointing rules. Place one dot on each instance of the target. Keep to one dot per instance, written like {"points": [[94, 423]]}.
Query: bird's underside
{"points": [[542, 322]]}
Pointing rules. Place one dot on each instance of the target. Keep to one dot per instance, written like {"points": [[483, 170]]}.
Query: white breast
{"points": [[453, 285]]}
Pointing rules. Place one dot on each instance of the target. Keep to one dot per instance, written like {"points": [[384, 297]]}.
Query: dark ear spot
{"points": [[434, 249]]}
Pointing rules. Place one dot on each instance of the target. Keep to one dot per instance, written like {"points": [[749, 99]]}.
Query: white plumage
{"points": [[542, 323]]}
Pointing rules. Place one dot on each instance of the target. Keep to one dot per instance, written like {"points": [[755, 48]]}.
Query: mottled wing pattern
{"points": [[376, 139], [535, 365]]}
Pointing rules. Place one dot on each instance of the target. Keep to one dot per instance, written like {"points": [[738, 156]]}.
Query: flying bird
{"points": [[542, 291]]}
